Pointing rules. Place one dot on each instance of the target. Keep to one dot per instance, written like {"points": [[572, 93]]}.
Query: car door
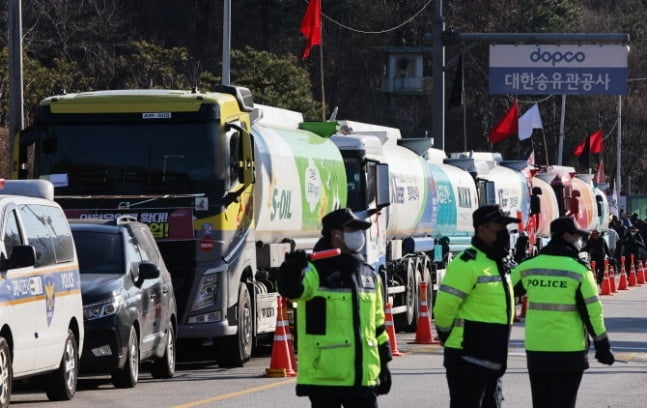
{"points": [[47, 230], [16, 298], [163, 289], [150, 297]]}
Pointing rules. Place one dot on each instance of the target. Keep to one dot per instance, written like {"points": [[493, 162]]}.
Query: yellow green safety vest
{"points": [[555, 321], [475, 305], [337, 341]]}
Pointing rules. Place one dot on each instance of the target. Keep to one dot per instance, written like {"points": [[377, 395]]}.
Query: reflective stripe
{"points": [[334, 346], [551, 307], [488, 279], [551, 272], [453, 291], [483, 363], [457, 323], [592, 299]]}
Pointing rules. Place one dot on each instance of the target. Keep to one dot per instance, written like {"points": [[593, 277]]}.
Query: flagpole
{"points": [[560, 149], [323, 92], [321, 75], [545, 146], [619, 145]]}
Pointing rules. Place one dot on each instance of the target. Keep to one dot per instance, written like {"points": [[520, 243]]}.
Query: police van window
{"points": [[47, 230], [11, 235]]}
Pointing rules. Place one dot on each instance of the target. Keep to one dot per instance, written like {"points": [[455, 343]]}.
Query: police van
{"points": [[41, 312]]}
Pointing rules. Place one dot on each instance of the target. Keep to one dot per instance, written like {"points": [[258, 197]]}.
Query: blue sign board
{"points": [[558, 69]]}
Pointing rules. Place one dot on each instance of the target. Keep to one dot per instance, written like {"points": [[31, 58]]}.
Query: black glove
{"points": [[442, 335], [291, 273], [603, 352], [384, 386], [385, 380], [296, 260]]}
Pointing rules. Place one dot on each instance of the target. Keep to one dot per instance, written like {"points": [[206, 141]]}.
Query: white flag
{"points": [[529, 121], [613, 202]]}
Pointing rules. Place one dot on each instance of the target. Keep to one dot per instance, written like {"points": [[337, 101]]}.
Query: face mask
{"points": [[354, 240], [502, 239], [578, 244]]}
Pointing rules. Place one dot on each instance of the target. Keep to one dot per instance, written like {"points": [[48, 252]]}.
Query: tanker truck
{"points": [[225, 192]]}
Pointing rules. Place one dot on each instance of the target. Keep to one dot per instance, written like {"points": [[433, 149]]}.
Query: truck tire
{"points": [[128, 376], [6, 373], [408, 320], [234, 351], [62, 382], [164, 367]]}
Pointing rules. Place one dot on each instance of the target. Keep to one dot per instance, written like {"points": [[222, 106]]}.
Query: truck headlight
{"points": [[207, 292]]}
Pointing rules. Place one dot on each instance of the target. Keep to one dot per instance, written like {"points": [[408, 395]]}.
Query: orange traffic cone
{"points": [[605, 288], [612, 279], [281, 361], [286, 319], [423, 331], [622, 285], [632, 272], [640, 274], [390, 329], [524, 306]]}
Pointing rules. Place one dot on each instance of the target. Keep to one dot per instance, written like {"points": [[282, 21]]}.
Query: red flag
{"points": [[595, 144], [311, 26], [507, 126], [600, 177]]}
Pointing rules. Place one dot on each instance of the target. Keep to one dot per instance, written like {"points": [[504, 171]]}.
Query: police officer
{"points": [[341, 337], [563, 310], [474, 310]]}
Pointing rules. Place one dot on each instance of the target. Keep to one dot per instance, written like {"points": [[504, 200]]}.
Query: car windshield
{"points": [[99, 252]]}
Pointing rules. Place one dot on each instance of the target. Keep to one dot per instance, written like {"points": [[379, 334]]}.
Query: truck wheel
{"points": [[128, 376], [164, 367], [62, 382], [408, 320], [233, 351], [6, 373]]}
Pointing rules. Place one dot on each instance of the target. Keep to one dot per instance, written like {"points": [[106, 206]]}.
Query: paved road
{"points": [[418, 376]]}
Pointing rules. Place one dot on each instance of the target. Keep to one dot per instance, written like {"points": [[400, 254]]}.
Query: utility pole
{"points": [[226, 43], [438, 77], [15, 73]]}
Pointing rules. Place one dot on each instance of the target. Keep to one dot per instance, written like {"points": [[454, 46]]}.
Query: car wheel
{"points": [[165, 366], [233, 351], [62, 382], [127, 376], [6, 373]]}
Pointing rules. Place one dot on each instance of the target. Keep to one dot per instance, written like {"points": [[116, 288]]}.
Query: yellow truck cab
{"points": [[41, 311]]}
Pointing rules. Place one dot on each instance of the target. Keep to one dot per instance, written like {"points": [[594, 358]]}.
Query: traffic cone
{"points": [[524, 306], [605, 288], [423, 331], [286, 319], [612, 279], [632, 272], [622, 285], [640, 274], [390, 329], [281, 361]]}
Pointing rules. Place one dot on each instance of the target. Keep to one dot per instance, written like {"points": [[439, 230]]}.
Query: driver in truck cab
{"points": [[342, 341]]}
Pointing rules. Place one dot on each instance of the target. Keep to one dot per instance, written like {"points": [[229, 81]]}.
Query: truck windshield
{"points": [[123, 159]]}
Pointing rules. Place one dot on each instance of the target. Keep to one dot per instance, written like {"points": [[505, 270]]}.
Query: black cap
{"points": [[492, 213], [566, 224], [344, 217]]}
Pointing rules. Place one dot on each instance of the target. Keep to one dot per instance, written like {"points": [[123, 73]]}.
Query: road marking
{"points": [[234, 394]]}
